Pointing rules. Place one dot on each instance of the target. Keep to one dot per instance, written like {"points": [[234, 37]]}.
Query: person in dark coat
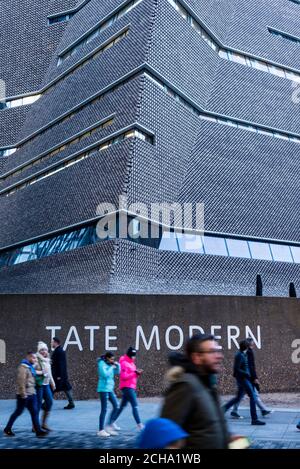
{"points": [[59, 372], [241, 372], [254, 381], [191, 398]]}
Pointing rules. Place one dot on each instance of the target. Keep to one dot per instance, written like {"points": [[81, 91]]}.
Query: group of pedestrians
{"points": [[38, 378]]}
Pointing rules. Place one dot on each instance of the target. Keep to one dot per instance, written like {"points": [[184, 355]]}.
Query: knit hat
{"points": [[131, 352], [159, 433], [42, 345]]}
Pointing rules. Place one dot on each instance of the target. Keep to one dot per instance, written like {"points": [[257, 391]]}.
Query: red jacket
{"points": [[128, 376]]}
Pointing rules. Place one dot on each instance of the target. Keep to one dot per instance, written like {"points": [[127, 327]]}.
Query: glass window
{"points": [[92, 36], [295, 139], [214, 245], [281, 253], [296, 254], [231, 123], [168, 242], [238, 248], [16, 102], [282, 136], [276, 71], [260, 250], [292, 76], [190, 243], [265, 132], [259, 65], [196, 26], [238, 58], [209, 118], [223, 54]]}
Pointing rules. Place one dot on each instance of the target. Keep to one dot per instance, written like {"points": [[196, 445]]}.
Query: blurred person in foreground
{"points": [[192, 399]]}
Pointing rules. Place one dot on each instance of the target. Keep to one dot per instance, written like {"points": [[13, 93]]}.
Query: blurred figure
{"points": [[162, 433], [241, 373], [60, 373], [128, 381], [26, 396], [44, 383], [254, 382], [108, 368], [192, 399]]}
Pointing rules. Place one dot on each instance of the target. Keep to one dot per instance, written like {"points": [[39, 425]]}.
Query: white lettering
{"points": [[181, 338], [140, 334], [68, 341], [2, 351], [257, 340], [296, 353], [53, 329], [92, 330], [231, 337], [109, 337], [195, 328], [217, 337]]}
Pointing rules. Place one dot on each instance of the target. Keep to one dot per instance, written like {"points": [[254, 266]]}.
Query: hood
{"points": [[180, 365], [43, 359], [125, 358]]}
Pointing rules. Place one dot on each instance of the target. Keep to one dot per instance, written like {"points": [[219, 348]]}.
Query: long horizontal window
{"points": [[134, 133], [227, 54], [96, 32], [23, 101], [60, 18], [59, 148], [211, 117], [7, 152], [229, 247]]}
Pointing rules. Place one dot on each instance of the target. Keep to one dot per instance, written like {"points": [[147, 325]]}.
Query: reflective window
{"points": [[214, 245], [238, 58], [260, 250], [281, 253], [223, 53], [238, 248], [259, 65], [190, 243], [276, 71], [296, 254], [168, 242]]}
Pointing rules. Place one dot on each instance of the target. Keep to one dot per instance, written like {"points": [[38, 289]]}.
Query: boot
{"points": [[44, 425]]}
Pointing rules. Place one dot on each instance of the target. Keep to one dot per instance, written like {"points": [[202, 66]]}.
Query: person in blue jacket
{"points": [[108, 368]]}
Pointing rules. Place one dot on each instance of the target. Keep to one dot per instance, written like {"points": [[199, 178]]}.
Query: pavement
{"points": [[77, 428]]}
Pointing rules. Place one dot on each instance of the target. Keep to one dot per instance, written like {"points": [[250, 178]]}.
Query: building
{"points": [[158, 101]]}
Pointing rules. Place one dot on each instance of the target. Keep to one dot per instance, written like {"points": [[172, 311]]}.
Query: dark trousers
{"points": [[29, 403], [244, 387], [129, 395], [44, 393], [104, 397]]}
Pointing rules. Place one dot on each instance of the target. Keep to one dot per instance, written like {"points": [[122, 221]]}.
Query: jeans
{"points": [[104, 397], [129, 395], [69, 395], [244, 387], [31, 404], [44, 392], [257, 401]]}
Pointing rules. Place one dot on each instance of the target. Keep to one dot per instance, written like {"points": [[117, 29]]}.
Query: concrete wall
{"points": [[91, 324]]}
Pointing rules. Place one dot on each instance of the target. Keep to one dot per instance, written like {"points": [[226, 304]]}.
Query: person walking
{"points": [[128, 381], [26, 396], [60, 373], [45, 384], [254, 381], [108, 368], [191, 398], [242, 375]]}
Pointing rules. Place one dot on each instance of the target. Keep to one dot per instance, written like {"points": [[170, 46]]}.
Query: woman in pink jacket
{"points": [[128, 380]]}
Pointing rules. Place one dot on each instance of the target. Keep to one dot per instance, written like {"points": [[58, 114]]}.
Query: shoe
{"points": [[110, 429], [266, 412], [235, 415], [8, 432], [257, 422], [41, 434], [103, 433], [115, 426], [69, 406], [140, 426]]}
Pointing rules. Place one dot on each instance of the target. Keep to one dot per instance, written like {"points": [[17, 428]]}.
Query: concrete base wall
{"points": [[90, 324]]}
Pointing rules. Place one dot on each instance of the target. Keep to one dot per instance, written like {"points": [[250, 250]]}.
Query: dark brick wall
{"points": [[266, 318]]}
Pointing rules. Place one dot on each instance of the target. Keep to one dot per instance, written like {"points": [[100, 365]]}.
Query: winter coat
{"points": [[44, 364], [240, 367], [251, 364], [25, 381], [128, 375], [59, 370], [192, 401], [106, 373]]}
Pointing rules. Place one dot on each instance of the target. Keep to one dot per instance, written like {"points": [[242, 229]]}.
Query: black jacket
{"points": [[59, 370], [240, 369], [251, 364], [192, 401]]}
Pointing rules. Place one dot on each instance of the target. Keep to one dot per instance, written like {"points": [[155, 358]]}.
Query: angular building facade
{"points": [[157, 101]]}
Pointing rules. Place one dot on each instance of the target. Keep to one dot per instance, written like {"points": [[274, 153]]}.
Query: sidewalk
{"points": [[77, 428]]}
